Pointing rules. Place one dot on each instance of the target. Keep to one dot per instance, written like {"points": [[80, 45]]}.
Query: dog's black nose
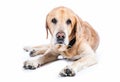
{"points": [[60, 37]]}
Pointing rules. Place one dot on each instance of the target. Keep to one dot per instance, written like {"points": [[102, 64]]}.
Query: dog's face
{"points": [[61, 23]]}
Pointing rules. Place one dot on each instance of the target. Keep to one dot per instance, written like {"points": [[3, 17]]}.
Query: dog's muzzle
{"points": [[60, 36]]}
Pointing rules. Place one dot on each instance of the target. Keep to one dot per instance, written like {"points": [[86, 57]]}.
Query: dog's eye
{"points": [[68, 21], [54, 20]]}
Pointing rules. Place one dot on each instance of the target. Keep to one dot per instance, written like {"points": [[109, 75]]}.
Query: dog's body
{"points": [[72, 38]]}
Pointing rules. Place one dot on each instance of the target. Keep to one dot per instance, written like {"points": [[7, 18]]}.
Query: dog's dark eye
{"points": [[68, 21], [54, 20]]}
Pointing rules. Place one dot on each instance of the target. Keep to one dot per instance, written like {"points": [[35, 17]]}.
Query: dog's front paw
{"points": [[32, 51], [28, 49], [33, 64], [67, 72]]}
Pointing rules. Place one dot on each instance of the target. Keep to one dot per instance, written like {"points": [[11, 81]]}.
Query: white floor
{"points": [[22, 23]]}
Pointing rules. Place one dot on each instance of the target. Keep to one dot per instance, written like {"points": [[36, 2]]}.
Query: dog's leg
{"points": [[37, 50], [49, 56], [88, 58]]}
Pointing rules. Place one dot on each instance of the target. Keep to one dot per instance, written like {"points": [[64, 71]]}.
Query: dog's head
{"points": [[63, 24]]}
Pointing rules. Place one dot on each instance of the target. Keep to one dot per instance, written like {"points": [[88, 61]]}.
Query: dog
{"points": [[71, 37]]}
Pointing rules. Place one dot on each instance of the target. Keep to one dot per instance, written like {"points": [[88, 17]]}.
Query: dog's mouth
{"points": [[60, 41], [62, 46], [71, 43], [60, 38]]}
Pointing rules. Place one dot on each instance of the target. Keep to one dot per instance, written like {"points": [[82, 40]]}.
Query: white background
{"points": [[22, 23]]}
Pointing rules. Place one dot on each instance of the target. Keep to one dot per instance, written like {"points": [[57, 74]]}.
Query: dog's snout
{"points": [[60, 37]]}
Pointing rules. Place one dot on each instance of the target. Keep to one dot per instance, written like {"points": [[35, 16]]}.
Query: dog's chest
{"points": [[72, 55], [69, 58]]}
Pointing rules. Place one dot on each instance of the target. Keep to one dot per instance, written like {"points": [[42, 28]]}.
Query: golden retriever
{"points": [[72, 38]]}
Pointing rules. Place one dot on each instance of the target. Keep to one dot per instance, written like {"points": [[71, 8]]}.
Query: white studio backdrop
{"points": [[22, 23]]}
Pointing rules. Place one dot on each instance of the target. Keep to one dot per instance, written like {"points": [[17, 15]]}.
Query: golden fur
{"points": [[82, 51]]}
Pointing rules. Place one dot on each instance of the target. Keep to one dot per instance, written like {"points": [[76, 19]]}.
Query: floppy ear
{"points": [[73, 32], [78, 26], [47, 28]]}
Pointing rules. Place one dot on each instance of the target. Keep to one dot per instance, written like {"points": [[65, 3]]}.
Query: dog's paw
{"points": [[33, 64], [32, 51], [28, 49], [67, 72]]}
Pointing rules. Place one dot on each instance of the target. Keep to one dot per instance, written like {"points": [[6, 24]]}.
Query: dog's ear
{"points": [[47, 28], [78, 26], [73, 32]]}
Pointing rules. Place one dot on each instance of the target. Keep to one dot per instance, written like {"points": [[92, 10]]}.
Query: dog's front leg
{"points": [[49, 56], [37, 50], [88, 58]]}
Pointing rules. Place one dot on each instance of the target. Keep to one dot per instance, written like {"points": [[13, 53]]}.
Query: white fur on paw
{"points": [[33, 64], [67, 72], [28, 49]]}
